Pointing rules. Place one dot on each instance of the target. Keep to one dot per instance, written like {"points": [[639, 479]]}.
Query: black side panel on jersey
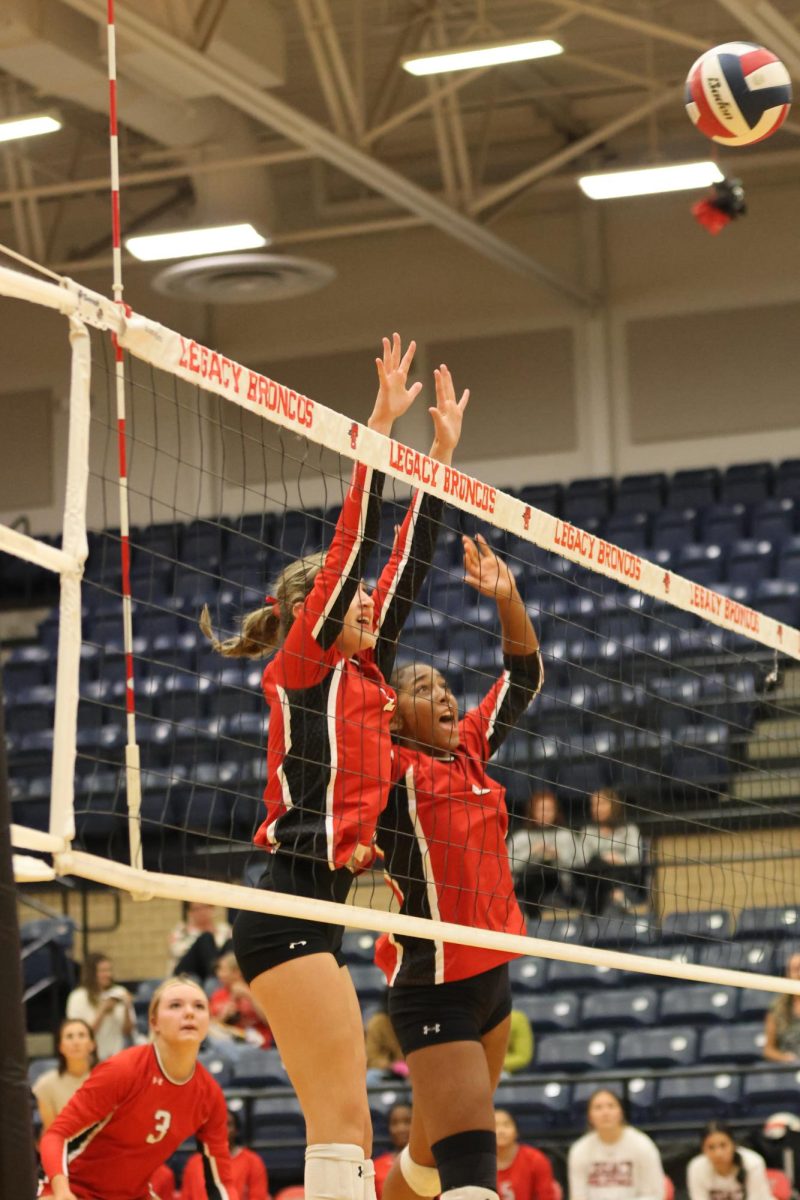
{"points": [[398, 841], [307, 770]]}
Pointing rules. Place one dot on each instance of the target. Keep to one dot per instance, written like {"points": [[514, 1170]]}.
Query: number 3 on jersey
{"points": [[163, 1120]]}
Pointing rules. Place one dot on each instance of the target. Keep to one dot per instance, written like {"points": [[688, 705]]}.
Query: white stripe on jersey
{"points": [[354, 550], [286, 717], [430, 881], [70, 1157], [333, 692], [502, 692], [222, 1191], [406, 553], [398, 949]]}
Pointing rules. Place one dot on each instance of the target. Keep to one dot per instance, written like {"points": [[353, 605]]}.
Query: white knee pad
{"points": [[422, 1180], [369, 1180], [334, 1171], [470, 1193]]}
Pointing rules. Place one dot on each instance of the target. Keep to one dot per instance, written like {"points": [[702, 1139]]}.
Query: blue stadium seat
{"points": [[753, 1003], [694, 488], [631, 1007], [536, 1107], [680, 698], [697, 1004], [26, 667], [700, 754], [699, 1097], [218, 1067], [787, 478], [60, 930], [775, 519], [587, 498], [673, 528], [769, 922], [555, 1011], [628, 529], [182, 697], [578, 976], [712, 923], [641, 493], [202, 540], [296, 533], [589, 1051], [625, 929], [31, 709], [765, 1091], [733, 1043], [722, 523], [779, 599], [358, 946], [546, 496], [369, 981], [244, 734], [747, 482], [641, 1049], [750, 561], [528, 974], [789, 559], [279, 1120], [574, 931], [739, 956], [156, 539], [700, 563]]}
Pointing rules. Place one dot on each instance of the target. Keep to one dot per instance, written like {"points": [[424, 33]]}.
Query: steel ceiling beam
{"points": [[613, 16], [770, 27], [275, 114]]}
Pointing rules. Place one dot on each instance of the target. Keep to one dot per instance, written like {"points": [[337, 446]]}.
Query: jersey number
{"points": [[163, 1120]]}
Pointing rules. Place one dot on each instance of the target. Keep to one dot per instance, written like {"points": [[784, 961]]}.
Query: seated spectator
{"points": [[609, 853], [234, 1013], [523, 1173], [519, 1052], [247, 1169], [613, 1161], [384, 1056], [197, 942], [106, 1007], [724, 1170], [541, 854], [162, 1183], [399, 1131], [77, 1054], [782, 1022]]}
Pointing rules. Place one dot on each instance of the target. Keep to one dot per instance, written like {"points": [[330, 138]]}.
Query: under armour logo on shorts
{"points": [[360, 1171], [426, 1029], [293, 944]]}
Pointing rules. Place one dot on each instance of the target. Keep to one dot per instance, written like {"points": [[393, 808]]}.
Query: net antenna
{"points": [[133, 772]]}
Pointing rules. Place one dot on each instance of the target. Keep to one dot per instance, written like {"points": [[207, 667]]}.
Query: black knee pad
{"points": [[467, 1160]]}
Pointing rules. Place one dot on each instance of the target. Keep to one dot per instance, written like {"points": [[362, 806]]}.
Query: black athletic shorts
{"points": [[261, 940], [461, 1011]]}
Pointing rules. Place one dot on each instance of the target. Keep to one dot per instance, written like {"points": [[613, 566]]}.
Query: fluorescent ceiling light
{"points": [[479, 56], [648, 181], [30, 126], [189, 243]]}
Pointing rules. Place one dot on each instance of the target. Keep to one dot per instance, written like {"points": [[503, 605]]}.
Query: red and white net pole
{"points": [[132, 763]]}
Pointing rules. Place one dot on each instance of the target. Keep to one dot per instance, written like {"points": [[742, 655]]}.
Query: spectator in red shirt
{"points": [[399, 1130], [162, 1183], [247, 1169], [234, 1014], [523, 1173]]}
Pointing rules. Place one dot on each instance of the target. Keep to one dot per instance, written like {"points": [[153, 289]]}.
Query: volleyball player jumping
{"points": [[328, 773], [138, 1107], [443, 836]]}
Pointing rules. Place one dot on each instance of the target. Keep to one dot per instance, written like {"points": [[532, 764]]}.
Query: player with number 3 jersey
{"points": [[138, 1107]]}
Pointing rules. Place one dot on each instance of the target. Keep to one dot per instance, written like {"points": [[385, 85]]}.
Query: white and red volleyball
{"points": [[738, 93]]}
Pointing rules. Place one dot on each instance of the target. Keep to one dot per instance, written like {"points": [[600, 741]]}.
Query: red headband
{"points": [[274, 604]]}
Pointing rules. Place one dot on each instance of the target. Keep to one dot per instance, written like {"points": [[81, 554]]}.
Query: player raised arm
{"points": [[491, 576]]}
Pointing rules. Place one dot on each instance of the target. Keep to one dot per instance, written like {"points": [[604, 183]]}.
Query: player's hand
{"points": [[61, 1189], [361, 858], [485, 571], [394, 396], [448, 414]]}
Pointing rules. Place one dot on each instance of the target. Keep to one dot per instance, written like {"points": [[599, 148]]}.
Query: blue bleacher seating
{"points": [[699, 1097], [31, 709], [701, 563], [753, 1003], [673, 527], [709, 924], [765, 1091], [779, 599], [739, 956], [630, 1007], [787, 478], [546, 496], [220, 1069], [641, 493], [587, 498], [774, 519], [555, 1011], [698, 1004], [625, 929], [750, 560], [535, 1107], [369, 981], [628, 529], [60, 930], [693, 488], [700, 754], [723, 523], [574, 931], [586, 1051], [734, 1043], [769, 922], [528, 974], [256, 1067], [358, 946], [26, 667], [788, 566], [579, 976], [747, 482], [640, 1049]]}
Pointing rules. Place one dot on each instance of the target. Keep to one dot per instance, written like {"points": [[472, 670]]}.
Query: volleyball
{"points": [[738, 93]]}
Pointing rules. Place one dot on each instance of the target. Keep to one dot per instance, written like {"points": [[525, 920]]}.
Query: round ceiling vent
{"points": [[242, 278]]}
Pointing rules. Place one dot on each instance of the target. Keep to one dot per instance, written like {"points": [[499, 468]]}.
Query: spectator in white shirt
{"points": [[609, 852], [613, 1161], [106, 1007], [541, 853], [725, 1171]]}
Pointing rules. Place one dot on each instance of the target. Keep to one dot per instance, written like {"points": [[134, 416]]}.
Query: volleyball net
{"points": [[670, 709]]}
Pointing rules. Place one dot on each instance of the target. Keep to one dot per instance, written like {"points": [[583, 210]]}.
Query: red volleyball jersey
{"points": [[329, 748], [443, 837], [162, 1183], [248, 1171], [383, 1165], [127, 1119], [530, 1177]]}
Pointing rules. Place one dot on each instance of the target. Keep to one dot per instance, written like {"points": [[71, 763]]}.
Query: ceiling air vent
{"points": [[242, 278]]}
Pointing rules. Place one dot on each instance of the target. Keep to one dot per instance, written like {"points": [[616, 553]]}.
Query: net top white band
{"points": [[188, 359]]}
